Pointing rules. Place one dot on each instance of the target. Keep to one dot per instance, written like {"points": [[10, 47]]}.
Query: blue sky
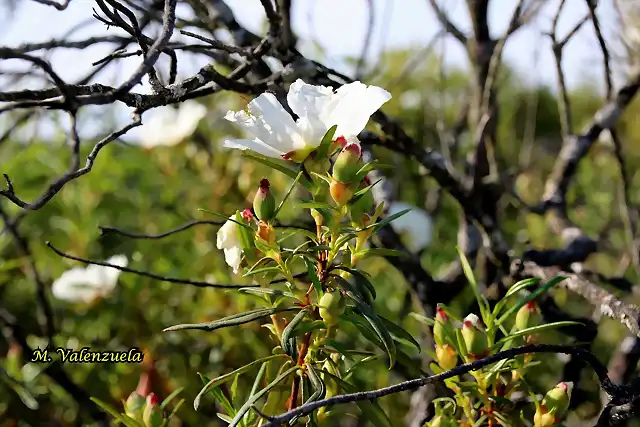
{"points": [[340, 27]]}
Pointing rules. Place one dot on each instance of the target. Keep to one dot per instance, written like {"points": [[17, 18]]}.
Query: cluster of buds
{"points": [[554, 406], [345, 171], [146, 411], [442, 331]]}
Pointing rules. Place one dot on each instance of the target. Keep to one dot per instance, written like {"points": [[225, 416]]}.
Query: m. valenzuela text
{"points": [[86, 355]]}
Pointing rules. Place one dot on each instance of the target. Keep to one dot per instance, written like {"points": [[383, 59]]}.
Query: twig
{"points": [[148, 274]]}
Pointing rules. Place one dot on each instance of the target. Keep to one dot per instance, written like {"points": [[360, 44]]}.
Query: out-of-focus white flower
{"points": [[86, 284], [319, 108], [228, 239], [168, 126], [415, 227]]}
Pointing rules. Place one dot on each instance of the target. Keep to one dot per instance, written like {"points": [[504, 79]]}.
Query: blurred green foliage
{"points": [[154, 191]]}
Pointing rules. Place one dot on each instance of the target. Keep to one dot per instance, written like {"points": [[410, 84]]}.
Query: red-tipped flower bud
{"points": [[152, 416], [348, 163], [528, 316], [474, 338], [134, 406], [442, 327], [264, 204], [247, 215]]}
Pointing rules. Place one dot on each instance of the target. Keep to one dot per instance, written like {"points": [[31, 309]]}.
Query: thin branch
{"points": [[196, 283], [598, 367], [446, 23]]}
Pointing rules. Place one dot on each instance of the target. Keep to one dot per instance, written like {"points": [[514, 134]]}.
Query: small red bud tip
{"points": [[440, 312], [264, 184], [153, 399], [531, 305], [354, 148], [247, 215], [341, 141], [287, 156], [563, 386], [366, 180], [468, 323]]}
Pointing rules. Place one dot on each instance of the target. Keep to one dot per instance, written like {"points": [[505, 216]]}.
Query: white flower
{"points": [[168, 126], [415, 227], [276, 134], [86, 284], [229, 239]]}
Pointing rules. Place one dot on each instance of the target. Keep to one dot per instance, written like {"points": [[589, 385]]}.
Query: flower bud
{"points": [[348, 163], [446, 355], [340, 192], [554, 405], [442, 326], [528, 316], [474, 338], [266, 233], [246, 215], [152, 416], [134, 406], [264, 205], [331, 306]]}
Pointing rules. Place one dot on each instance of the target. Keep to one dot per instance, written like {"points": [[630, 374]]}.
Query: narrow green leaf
{"points": [[286, 196], [220, 397], [535, 330], [378, 326], [513, 290], [378, 225], [169, 398], [278, 165], [420, 318], [254, 390], [468, 272], [216, 382], [288, 330], [236, 319], [325, 144], [128, 421], [314, 205], [360, 193], [311, 272], [360, 278], [173, 413], [252, 401], [322, 177], [272, 269], [381, 252], [398, 332], [226, 218], [535, 294], [267, 291]]}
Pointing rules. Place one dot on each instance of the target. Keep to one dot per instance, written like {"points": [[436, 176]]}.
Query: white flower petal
{"points": [[252, 125], [253, 145], [416, 226], [228, 239], [352, 106], [74, 286], [233, 257], [168, 126], [308, 100], [285, 135], [189, 115], [312, 129]]}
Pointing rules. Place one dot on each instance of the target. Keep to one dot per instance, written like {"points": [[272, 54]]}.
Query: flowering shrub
{"points": [[311, 286]]}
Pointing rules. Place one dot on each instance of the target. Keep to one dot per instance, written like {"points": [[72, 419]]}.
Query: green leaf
{"points": [[368, 167], [535, 294], [252, 401], [378, 225], [361, 279], [420, 318], [272, 269], [173, 413], [220, 397], [280, 166], [216, 382], [169, 398], [268, 291], [311, 272], [315, 205], [124, 419], [288, 330], [325, 144], [236, 319], [535, 330], [322, 177], [513, 290], [254, 390], [399, 333], [468, 272], [378, 326], [381, 252], [286, 196]]}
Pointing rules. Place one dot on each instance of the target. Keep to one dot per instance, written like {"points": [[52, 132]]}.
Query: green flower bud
{"points": [[331, 306], [348, 163], [442, 327], [341, 193], [446, 355], [134, 406], [264, 204], [152, 415], [554, 405], [474, 338], [528, 316]]}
